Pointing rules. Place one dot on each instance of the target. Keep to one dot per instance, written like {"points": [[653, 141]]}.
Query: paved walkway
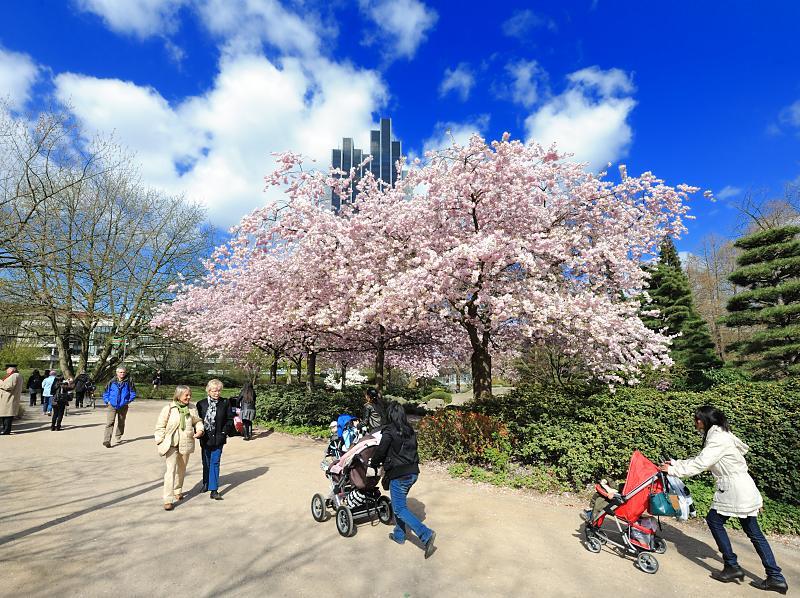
{"points": [[77, 519]]}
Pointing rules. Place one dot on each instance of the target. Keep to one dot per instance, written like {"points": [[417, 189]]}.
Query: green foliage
{"points": [[671, 294], [312, 431], [584, 438], [23, 355], [296, 406], [439, 394], [533, 478], [453, 435], [770, 269]]}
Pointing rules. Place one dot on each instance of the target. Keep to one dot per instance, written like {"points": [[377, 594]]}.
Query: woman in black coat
{"points": [[215, 412], [35, 386], [397, 452]]}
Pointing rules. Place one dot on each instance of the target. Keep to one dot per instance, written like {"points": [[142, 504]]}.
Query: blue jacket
{"points": [[118, 394]]}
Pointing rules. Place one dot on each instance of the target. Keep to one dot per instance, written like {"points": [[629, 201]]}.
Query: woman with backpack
{"points": [[247, 404], [736, 495], [177, 426], [397, 452], [62, 395], [35, 386]]}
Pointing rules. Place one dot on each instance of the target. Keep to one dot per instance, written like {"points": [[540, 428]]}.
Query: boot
{"points": [[729, 573], [772, 584]]}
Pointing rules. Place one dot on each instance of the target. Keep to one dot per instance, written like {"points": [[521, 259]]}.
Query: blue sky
{"points": [[203, 91]]}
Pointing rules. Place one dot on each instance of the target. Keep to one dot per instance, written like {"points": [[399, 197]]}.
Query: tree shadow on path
{"points": [[76, 514], [240, 477]]}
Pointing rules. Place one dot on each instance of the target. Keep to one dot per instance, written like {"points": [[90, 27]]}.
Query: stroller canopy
{"points": [[341, 423], [642, 476]]}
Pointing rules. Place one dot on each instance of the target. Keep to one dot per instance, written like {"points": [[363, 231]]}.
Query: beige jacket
{"points": [[723, 455], [10, 392], [169, 434]]}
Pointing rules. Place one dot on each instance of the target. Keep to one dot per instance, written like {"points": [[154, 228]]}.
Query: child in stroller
{"points": [[353, 493], [628, 508], [344, 432]]}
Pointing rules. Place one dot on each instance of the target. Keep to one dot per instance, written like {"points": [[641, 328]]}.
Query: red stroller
{"points": [[626, 509]]}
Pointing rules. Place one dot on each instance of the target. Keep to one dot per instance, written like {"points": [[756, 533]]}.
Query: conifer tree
{"points": [[769, 268], [671, 294]]}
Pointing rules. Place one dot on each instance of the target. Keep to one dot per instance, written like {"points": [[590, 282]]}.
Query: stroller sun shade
{"points": [[642, 473]]}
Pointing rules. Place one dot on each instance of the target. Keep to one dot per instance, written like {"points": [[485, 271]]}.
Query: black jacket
{"points": [[397, 454], [216, 437], [374, 415]]}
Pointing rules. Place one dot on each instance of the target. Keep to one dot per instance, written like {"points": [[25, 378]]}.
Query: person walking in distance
{"points": [[119, 393], [214, 411], [61, 398], [47, 392], [10, 393], [176, 429], [247, 400], [34, 387], [81, 383]]}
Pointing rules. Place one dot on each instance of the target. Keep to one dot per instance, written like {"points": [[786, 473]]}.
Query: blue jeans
{"points": [[211, 461], [46, 404], [398, 490], [716, 523]]}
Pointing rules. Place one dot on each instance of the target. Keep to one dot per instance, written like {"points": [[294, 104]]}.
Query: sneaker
{"points": [[168, 506], [587, 515], [106, 444], [429, 545]]}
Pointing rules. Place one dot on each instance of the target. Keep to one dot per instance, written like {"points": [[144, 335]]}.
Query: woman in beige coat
{"points": [[176, 429], [736, 495]]}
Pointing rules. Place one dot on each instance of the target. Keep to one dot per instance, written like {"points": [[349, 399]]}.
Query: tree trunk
{"points": [[344, 374], [458, 378], [380, 358], [273, 369], [311, 370], [299, 370], [481, 362], [388, 374]]}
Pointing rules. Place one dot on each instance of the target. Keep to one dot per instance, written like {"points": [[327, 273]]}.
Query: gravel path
{"points": [[77, 519]]}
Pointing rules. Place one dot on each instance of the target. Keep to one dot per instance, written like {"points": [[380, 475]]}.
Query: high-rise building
{"points": [[385, 153]]}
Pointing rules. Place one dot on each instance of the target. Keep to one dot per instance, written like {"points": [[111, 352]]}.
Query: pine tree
{"points": [[671, 294], [769, 268]]}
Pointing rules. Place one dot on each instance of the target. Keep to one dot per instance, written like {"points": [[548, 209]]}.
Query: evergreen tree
{"points": [[671, 294], [769, 268]]}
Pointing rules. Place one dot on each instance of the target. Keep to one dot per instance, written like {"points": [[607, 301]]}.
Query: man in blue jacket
{"points": [[119, 392]]}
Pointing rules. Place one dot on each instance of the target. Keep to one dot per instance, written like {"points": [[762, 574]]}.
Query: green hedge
{"points": [[587, 437], [296, 406]]}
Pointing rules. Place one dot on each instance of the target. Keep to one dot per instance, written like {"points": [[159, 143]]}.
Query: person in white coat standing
{"points": [[736, 495]]}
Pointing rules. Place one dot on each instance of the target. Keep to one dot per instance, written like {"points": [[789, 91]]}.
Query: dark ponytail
{"points": [[398, 420], [711, 416]]}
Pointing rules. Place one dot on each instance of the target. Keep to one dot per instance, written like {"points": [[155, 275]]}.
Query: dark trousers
{"points": [[716, 523], [34, 393], [248, 428], [58, 415], [79, 399], [5, 424]]}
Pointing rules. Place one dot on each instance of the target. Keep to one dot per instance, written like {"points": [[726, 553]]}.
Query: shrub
{"points": [[296, 406], [453, 435], [439, 394], [587, 437]]}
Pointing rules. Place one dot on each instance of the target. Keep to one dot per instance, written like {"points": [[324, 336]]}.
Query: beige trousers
{"points": [[173, 477]]}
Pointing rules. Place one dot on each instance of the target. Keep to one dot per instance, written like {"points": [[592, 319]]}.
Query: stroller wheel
{"points": [[593, 544], [385, 510], [659, 545], [344, 521], [601, 535], [647, 562], [318, 510]]}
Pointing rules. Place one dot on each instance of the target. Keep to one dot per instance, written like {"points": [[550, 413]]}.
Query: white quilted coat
{"points": [[723, 455]]}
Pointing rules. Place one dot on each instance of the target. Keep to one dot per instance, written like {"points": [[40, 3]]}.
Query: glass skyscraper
{"points": [[385, 153]]}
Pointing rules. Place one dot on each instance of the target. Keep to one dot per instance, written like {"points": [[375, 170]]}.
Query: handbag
{"points": [[661, 504]]}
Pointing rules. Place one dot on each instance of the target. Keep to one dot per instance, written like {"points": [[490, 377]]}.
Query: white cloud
{"points": [[791, 115], [142, 18], [216, 147], [445, 133], [459, 80], [404, 22], [523, 22], [589, 119], [18, 73], [728, 191], [526, 78]]}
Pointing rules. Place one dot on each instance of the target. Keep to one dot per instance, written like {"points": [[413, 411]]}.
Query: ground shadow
{"points": [[240, 477], [46, 426], [76, 514], [262, 433], [129, 440]]}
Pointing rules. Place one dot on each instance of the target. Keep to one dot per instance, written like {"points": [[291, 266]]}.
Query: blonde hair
{"points": [[180, 390], [214, 383]]}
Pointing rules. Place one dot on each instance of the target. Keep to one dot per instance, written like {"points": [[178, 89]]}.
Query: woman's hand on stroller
{"points": [[665, 466]]}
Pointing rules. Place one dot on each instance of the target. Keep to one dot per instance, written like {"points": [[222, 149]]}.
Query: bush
{"points": [[453, 435], [296, 406], [439, 394], [587, 437]]}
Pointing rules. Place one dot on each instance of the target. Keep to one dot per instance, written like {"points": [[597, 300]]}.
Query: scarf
{"points": [[210, 420], [183, 410]]}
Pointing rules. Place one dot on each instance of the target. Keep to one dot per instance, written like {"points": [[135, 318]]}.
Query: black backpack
{"points": [[80, 383]]}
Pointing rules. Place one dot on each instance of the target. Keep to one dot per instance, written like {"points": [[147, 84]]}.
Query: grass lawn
{"points": [[167, 391]]}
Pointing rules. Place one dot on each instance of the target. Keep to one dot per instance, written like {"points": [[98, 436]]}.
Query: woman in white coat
{"points": [[736, 495], [176, 429]]}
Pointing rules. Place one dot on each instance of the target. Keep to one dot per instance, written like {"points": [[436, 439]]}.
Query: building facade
{"points": [[385, 152]]}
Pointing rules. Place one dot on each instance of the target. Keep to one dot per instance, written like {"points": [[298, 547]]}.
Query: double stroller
{"points": [[353, 494], [630, 510]]}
